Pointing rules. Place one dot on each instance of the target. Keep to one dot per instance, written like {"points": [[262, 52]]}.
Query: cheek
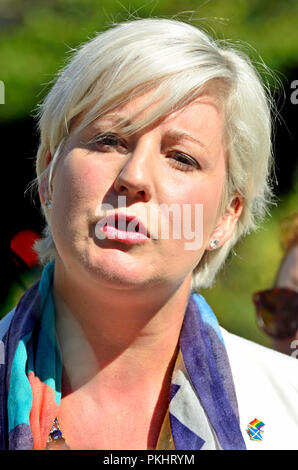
{"points": [[211, 206], [200, 204], [76, 189], [80, 182]]}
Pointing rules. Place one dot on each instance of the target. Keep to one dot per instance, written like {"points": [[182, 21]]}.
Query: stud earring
{"points": [[48, 203], [214, 244]]}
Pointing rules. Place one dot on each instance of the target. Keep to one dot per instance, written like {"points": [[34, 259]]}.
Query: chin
{"points": [[115, 268]]}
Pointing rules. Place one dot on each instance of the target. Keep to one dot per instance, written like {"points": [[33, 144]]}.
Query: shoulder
{"points": [[266, 384], [259, 357]]}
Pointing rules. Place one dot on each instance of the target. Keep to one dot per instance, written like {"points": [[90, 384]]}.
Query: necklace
{"points": [[56, 440]]}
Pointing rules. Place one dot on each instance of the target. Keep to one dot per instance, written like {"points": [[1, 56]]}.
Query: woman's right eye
{"points": [[105, 141]]}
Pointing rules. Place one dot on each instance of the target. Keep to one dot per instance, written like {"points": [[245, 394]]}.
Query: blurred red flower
{"points": [[22, 245]]}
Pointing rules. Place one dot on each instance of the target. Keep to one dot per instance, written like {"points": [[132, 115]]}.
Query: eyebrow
{"points": [[174, 135], [179, 135], [115, 119]]}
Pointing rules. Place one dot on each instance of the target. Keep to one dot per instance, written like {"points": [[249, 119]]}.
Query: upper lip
{"points": [[113, 219]]}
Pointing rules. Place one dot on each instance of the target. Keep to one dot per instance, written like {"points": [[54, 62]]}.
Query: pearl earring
{"points": [[214, 244], [48, 203]]}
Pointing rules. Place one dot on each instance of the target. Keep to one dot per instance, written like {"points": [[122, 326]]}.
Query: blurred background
{"points": [[35, 41]]}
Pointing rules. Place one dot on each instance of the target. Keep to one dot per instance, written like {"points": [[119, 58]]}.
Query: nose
{"points": [[135, 178]]}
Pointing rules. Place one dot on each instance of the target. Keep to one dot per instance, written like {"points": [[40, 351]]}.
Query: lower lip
{"points": [[113, 233]]}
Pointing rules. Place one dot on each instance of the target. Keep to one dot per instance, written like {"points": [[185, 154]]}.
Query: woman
{"points": [[154, 160], [277, 308]]}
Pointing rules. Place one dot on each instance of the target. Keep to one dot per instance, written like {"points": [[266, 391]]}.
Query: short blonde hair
{"points": [[177, 61]]}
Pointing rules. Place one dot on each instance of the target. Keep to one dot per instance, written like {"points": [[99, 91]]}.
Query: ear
{"points": [[43, 188], [227, 223]]}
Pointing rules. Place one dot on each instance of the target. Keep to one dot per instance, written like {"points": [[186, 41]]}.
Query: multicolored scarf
{"points": [[202, 413]]}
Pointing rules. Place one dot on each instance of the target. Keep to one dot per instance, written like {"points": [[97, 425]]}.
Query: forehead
{"points": [[202, 115]]}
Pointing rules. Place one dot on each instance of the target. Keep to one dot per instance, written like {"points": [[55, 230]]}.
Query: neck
{"points": [[109, 331]]}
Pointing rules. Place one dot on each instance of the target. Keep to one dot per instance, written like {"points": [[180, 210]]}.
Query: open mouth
{"points": [[122, 227], [126, 226]]}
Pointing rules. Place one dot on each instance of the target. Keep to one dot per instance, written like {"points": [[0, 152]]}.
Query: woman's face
{"points": [[179, 163]]}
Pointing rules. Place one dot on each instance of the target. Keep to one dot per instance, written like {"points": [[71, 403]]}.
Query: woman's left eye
{"points": [[184, 162]]}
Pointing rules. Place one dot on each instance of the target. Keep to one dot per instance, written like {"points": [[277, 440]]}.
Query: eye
{"points": [[184, 162], [108, 141]]}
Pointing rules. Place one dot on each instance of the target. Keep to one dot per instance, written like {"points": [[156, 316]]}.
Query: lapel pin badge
{"points": [[254, 430]]}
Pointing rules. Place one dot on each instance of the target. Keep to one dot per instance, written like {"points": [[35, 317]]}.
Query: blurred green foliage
{"points": [[35, 37], [35, 41]]}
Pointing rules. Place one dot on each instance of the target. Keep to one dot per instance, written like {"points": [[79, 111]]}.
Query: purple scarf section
{"points": [[25, 318], [208, 367]]}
